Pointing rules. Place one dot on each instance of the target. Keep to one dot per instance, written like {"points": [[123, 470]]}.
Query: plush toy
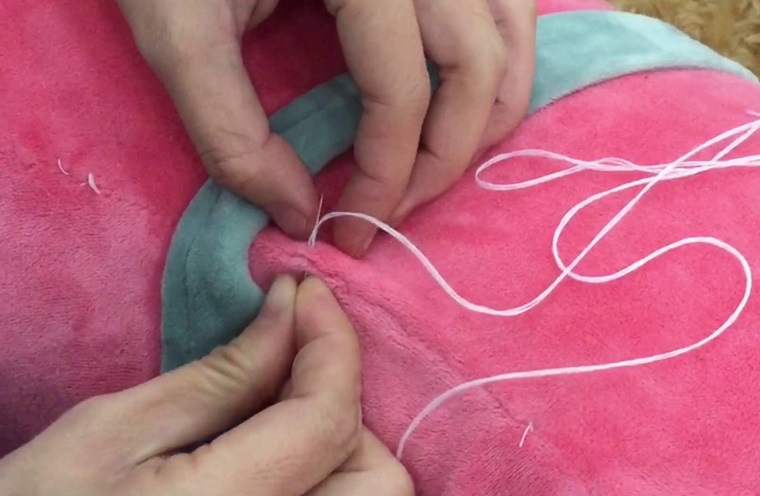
{"points": [[102, 191], [730, 27]]}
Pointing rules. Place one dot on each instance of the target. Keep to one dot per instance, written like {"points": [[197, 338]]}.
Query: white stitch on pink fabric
{"points": [[678, 169]]}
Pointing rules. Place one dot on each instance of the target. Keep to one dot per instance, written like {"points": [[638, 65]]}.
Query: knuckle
{"points": [[418, 93], [170, 470], [484, 51], [226, 368], [396, 481], [229, 359], [491, 64], [340, 428], [219, 164], [408, 94], [238, 171]]}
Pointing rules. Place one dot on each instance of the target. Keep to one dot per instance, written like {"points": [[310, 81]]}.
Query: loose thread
{"points": [[90, 178], [60, 167], [313, 236], [91, 183], [683, 167], [525, 434]]}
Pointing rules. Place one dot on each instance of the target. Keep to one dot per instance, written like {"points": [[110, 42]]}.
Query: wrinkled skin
{"points": [[408, 150], [301, 356]]}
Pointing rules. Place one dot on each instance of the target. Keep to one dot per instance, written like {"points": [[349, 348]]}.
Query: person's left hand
{"points": [[309, 443], [409, 148]]}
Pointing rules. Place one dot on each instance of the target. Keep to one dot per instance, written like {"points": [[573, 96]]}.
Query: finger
{"points": [[320, 324], [293, 445], [198, 59], [516, 22], [382, 45], [371, 471], [231, 131], [204, 398], [462, 38]]}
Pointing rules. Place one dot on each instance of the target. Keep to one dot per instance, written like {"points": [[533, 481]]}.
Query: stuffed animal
{"points": [[730, 27], [116, 261]]}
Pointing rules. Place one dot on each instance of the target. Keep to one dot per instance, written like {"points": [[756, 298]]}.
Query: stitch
{"points": [[678, 169], [329, 116]]}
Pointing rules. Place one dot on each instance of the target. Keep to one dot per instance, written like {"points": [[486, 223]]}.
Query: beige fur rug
{"points": [[730, 27]]}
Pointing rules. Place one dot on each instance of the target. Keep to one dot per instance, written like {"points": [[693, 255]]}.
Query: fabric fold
{"points": [[208, 295]]}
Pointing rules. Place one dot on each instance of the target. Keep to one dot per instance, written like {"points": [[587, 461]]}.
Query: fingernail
{"points": [[292, 221], [278, 298], [317, 284]]}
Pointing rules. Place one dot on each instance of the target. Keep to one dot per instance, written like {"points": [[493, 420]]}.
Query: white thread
{"points": [[525, 434], [60, 167], [680, 168], [90, 178], [91, 183]]}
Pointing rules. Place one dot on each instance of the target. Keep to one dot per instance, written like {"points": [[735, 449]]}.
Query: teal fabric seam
{"points": [[208, 295]]}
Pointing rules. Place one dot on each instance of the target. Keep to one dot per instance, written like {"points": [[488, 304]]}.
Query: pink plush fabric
{"points": [[687, 426], [80, 276], [81, 271]]}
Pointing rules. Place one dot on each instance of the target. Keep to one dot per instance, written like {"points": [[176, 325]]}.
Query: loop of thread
{"points": [[683, 167]]}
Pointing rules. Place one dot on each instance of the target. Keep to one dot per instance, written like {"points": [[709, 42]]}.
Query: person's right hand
{"points": [[409, 149], [309, 442]]}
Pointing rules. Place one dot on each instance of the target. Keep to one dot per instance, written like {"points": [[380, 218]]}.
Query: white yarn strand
{"points": [[60, 168], [525, 434], [681, 168], [91, 183]]}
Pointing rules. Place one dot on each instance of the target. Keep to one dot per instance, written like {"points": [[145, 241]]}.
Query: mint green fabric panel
{"points": [[578, 49], [208, 294]]}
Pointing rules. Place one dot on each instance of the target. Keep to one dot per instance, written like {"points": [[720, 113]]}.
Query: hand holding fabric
{"points": [[309, 442], [409, 149]]}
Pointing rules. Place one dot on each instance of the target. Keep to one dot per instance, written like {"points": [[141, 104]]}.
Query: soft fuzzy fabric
{"points": [[730, 27], [208, 295], [682, 427], [687, 426], [81, 271]]}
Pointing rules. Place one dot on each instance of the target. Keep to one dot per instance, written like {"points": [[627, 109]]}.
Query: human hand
{"points": [[310, 442], [485, 51]]}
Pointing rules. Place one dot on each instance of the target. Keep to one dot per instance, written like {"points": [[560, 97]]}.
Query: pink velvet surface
{"points": [[80, 283], [686, 426], [81, 272]]}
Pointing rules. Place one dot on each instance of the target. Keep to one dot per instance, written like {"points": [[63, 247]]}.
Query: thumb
{"points": [[194, 48], [227, 123], [207, 397]]}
